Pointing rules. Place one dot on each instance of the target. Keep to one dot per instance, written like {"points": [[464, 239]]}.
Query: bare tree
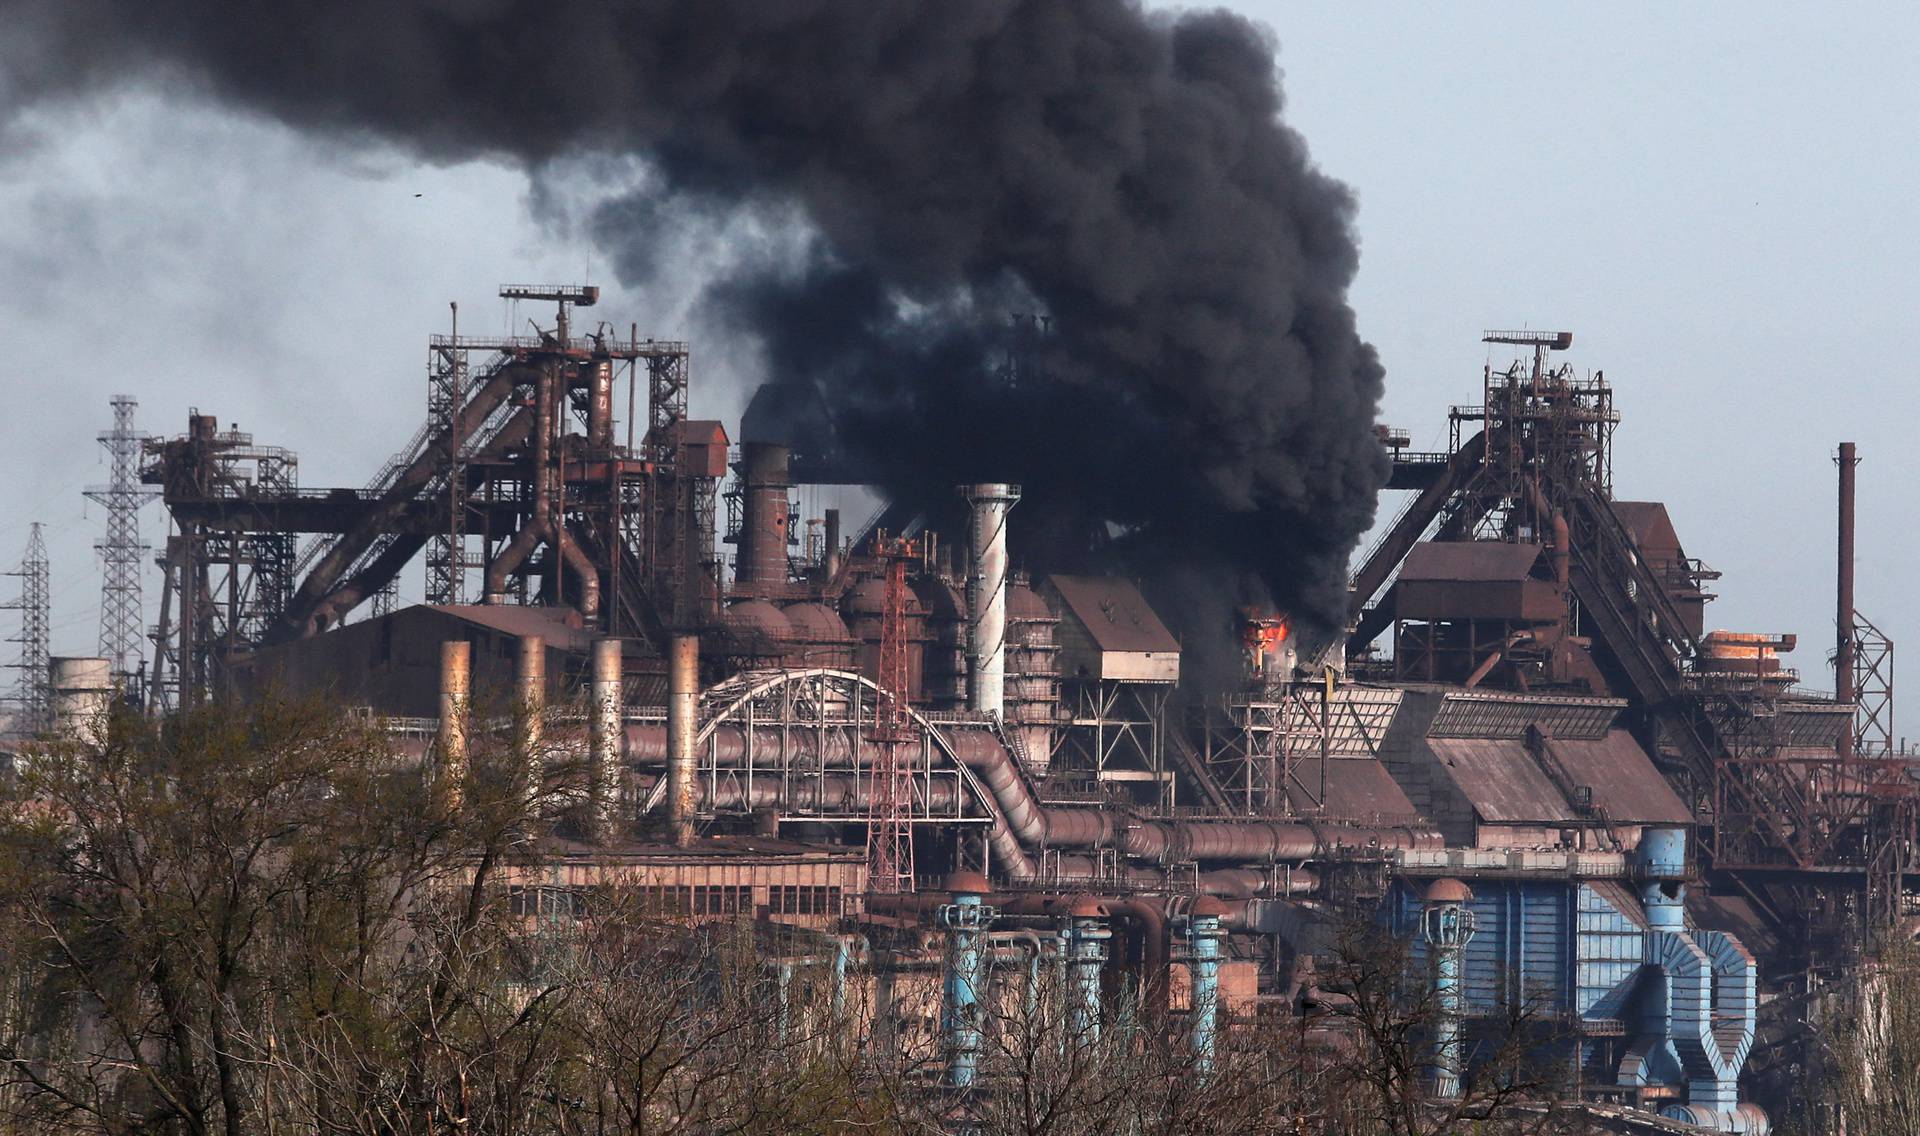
{"points": [[1870, 1042], [1386, 1004]]}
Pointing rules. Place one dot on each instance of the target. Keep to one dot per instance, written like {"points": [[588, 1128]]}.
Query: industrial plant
{"points": [[1528, 755]]}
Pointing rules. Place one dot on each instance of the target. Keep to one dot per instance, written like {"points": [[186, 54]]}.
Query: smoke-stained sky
{"points": [[1203, 407], [1713, 205]]}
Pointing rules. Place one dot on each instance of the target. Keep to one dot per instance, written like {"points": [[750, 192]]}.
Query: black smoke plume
{"points": [[1199, 407]]}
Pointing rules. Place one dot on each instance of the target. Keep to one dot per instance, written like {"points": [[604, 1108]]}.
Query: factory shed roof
{"points": [[1622, 777], [1357, 789], [1501, 780], [1114, 613], [518, 620], [1469, 561]]}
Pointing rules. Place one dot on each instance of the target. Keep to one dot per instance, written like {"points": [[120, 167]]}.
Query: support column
{"points": [[1447, 925], [965, 921]]}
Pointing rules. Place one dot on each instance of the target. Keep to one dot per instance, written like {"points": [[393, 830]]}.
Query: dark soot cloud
{"points": [[1200, 410]]}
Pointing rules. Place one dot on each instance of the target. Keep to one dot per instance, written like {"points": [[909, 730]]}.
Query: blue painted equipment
{"points": [[964, 920], [1447, 926], [1087, 936], [1203, 936]]}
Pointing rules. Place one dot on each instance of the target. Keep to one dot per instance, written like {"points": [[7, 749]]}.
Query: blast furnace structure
{"points": [[1528, 756]]}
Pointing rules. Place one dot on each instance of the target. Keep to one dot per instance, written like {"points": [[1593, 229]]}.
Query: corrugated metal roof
{"points": [[518, 619], [1357, 789], [1114, 613], [1501, 780], [1622, 777], [1469, 561], [1500, 714]]}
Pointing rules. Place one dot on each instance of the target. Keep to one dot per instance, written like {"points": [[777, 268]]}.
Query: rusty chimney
{"points": [[683, 700], [761, 568], [1843, 614], [987, 596], [830, 556]]}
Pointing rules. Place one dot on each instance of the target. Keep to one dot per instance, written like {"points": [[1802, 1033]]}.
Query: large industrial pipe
{"points": [[987, 597], [562, 541], [832, 792], [1844, 691], [604, 737], [530, 708], [1560, 548], [765, 518], [456, 690], [683, 704], [524, 541], [547, 523]]}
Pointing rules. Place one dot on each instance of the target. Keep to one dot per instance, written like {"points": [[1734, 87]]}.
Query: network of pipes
{"points": [[1056, 610], [1521, 749]]}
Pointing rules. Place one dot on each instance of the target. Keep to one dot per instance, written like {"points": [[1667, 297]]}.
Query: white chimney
{"points": [[987, 597]]}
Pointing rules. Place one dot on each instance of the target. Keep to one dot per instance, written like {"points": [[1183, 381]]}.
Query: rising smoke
{"points": [[1200, 407]]}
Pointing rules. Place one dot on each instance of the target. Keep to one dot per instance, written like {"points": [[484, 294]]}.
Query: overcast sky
{"points": [[1723, 206]]}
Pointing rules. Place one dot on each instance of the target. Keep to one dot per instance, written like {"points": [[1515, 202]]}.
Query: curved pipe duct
{"points": [[1022, 824]]}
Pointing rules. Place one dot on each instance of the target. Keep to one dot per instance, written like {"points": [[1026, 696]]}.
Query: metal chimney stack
{"points": [[1844, 616], [765, 518], [987, 597]]}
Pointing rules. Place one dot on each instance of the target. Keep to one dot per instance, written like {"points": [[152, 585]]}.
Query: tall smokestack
{"points": [[987, 596], [603, 740], [683, 701], [456, 688], [830, 558], [765, 519], [1843, 613]]}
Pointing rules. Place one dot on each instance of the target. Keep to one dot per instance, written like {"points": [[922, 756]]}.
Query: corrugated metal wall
{"points": [[1560, 947]]}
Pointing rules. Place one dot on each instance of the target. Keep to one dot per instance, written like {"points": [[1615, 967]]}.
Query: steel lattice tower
{"points": [[121, 552], [890, 799], [33, 694]]}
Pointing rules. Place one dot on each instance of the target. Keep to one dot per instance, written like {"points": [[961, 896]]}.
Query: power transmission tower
{"points": [[121, 552], [32, 694]]}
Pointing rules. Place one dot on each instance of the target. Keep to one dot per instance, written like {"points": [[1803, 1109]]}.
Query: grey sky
{"points": [[1720, 205]]}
